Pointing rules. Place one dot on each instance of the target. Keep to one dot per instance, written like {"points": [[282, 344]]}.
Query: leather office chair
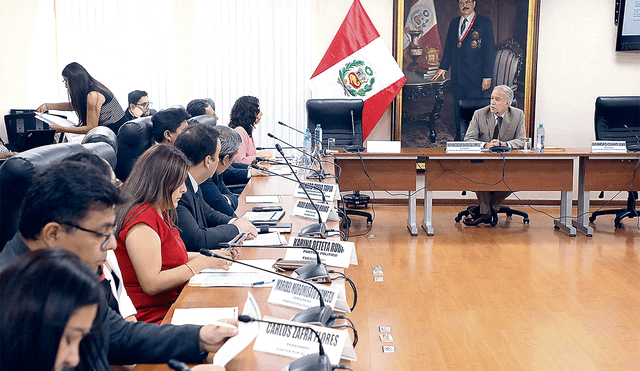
{"points": [[202, 119], [102, 134], [18, 171], [134, 137], [611, 116], [466, 108]]}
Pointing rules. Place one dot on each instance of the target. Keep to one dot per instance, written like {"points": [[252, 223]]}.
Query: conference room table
{"points": [[220, 297]]}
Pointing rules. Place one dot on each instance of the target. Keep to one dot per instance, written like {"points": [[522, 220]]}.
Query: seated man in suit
{"points": [[200, 225], [498, 124], [82, 220], [198, 107], [139, 105], [214, 191], [168, 124]]}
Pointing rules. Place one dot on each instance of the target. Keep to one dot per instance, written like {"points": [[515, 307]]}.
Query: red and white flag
{"points": [[358, 64], [422, 17]]}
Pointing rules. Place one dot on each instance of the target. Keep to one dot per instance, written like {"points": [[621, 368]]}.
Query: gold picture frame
{"points": [[530, 72]]}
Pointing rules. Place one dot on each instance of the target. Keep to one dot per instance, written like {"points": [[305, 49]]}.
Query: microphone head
{"points": [[279, 148], [281, 123], [271, 135], [174, 364], [254, 166], [260, 159], [244, 318]]}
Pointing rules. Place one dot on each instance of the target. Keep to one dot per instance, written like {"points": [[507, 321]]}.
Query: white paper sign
{"points": [[295, 294], [313, 188], [202, 316], [304, 209], [334, 253], [608, 146], [464, 147], [295, 340], [246, 333]]}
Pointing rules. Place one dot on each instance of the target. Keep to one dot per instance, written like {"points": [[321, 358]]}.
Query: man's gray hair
{"points": [[507, 90], [229, 141]]}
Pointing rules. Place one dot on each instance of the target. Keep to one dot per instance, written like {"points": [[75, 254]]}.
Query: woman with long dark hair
{"points": [[153, 258], [50, 304], [245, 115], [93, 102]]}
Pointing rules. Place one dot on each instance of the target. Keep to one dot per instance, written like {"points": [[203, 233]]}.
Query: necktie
{"points": [[198, 199], [496, 130], [463, 27]]}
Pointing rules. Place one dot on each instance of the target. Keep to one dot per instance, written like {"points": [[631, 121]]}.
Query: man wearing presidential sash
{"points": [[470, 52]]}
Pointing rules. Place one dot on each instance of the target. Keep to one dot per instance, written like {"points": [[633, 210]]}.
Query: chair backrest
{"points": [[611, 116], [339, 118], [466, 109], [508, 64], [18, 171], [202, 119], [102, 134], [134, 137]]}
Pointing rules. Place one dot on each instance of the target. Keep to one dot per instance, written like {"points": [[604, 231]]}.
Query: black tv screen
{"points": [[628, 26], [336, 119]]}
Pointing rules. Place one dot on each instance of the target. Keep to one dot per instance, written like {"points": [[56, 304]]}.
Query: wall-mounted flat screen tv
{"points": [[628, 26]]}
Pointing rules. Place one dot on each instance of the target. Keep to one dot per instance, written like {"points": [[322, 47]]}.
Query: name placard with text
{"points": [[335, 253]]}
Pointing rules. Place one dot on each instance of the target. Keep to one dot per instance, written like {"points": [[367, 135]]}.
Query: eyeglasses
{"points": [[105, 236], [465, 2], [145, 105]]}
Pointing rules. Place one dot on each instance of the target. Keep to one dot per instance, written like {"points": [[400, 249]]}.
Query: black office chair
{"points": [[134, 137], [611, 116], [18, 171], [466, 108]]}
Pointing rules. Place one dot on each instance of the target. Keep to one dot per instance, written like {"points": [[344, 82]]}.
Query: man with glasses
{"points": [[71, 205], [139, 105], [470, 52]]}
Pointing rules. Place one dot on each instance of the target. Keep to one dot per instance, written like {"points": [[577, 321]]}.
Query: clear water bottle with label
{"points": [[306, 146], [319, 139], [540, 139]]}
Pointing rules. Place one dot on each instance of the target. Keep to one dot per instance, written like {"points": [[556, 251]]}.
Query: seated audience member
{"points": [[71, 205], [168, 124], [214, 190], [154, 261], [93, 102], [245, 115], [50, 300], [498, 124], [199, 107], [200, 225], [139, 105], [111, 270]]}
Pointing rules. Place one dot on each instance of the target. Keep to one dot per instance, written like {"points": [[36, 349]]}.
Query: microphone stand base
{"points": [[312, 272], [314, 230], [316, 174], [320, 316], [311, 362]]}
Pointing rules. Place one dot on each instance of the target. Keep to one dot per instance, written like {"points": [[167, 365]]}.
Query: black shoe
{"points": [[475, 220]]}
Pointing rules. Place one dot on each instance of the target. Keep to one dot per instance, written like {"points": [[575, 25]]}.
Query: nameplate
{"points": [[295, 340], [295, 294], [304, 209], [335, 253], [384, 146], [608, 146], [313, 188], [464, 147]]}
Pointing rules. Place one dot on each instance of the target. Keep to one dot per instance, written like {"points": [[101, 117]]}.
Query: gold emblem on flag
{"points": [[356, 78]]}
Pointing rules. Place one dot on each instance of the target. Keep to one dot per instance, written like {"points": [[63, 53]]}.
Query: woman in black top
{"points": [[93, 102]]}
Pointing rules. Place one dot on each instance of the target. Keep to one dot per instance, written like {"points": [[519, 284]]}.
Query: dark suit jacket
{"points": [[237, 173], [202, 227], [130, 342], [470, 65], [512, 129], [217, 195]]}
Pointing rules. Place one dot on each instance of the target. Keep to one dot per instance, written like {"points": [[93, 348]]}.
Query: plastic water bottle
{"points": [[318, 139], [306, 146], [540, 139]]}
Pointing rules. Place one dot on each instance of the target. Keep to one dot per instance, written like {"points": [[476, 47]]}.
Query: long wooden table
{"points": [[388, 171], [200, 297], [530, 171]]}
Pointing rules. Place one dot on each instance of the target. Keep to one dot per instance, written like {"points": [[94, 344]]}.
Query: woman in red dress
{"points": [[152, 257]]}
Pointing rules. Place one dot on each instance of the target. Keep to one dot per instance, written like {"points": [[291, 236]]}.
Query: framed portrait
{"points": [[424, 114]]}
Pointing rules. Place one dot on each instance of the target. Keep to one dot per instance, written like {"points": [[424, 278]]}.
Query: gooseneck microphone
{"points": [[290, 127], [319, 172], [317, 229], [253, 166], [310, 362], [273, 162], [636, 147], [174, 364], [314, 272], [322, 315]]}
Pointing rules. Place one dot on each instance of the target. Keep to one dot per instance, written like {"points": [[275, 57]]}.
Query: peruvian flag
{"points": [[422, 17], [358, 64]]}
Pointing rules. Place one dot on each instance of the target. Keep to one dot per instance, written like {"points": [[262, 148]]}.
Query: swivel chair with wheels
{"points": [[618, 118], [466, 109]]}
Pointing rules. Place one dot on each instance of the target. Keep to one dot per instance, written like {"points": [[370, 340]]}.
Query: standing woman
{"points": [[50, 302], [153, 258], [93, 102], [245, 115]]}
